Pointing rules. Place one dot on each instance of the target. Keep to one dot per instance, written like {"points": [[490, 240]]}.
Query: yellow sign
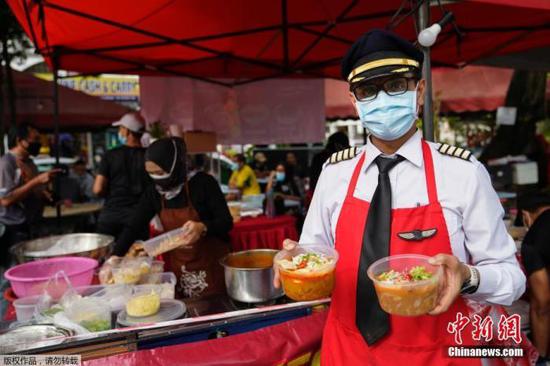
{"points": [[119, 87]]}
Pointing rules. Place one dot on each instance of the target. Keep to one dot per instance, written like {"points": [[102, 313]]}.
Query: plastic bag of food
{"points": [[90, 313], [130, 270], [54, 291], [60, 319], [106, 273]]}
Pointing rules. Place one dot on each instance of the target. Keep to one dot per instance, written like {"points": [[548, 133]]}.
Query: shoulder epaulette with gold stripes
{"points": [[342, 155], [454, 151]]}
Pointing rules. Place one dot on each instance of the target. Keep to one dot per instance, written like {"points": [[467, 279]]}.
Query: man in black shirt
{"points": [[122, 178], [535, 252]]}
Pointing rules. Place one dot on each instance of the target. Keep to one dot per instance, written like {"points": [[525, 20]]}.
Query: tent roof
{"points": [[34, 104], [250, 39]]}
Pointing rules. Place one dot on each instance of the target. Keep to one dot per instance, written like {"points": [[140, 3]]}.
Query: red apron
{"points": [[421, 340]]}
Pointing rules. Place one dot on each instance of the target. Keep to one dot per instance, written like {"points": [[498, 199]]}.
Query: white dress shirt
{"points": [[472, 211]]}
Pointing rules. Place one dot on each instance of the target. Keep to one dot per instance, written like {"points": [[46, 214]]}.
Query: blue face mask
{"points": [[123, 140], [280, 176], [388, 117]]}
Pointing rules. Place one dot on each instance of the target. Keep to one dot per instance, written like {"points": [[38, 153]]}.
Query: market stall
{"points": [[67, 313], [283, 40]]}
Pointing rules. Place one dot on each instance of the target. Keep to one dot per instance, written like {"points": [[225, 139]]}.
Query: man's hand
{"points": [[46, 177], [454, 275], [287, 245], [193, 232]]}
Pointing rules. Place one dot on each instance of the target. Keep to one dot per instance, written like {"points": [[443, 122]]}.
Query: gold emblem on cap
{"points": [[380, 63]]}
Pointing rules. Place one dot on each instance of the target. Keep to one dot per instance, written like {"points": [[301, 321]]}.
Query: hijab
{"points": [[169, 154]]}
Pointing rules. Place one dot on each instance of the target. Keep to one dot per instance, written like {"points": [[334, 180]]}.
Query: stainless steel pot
{"points": [[94, 246], [250, 285]]}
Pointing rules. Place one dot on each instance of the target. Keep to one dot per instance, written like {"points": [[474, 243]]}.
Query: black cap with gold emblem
{"points": [[380, 53]]}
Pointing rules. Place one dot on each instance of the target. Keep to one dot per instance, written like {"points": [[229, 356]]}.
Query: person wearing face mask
{"points": [[121, 178], [400, 194], [243, 177], [283, 186], [23, 190], [535, 253], [197, 204]]}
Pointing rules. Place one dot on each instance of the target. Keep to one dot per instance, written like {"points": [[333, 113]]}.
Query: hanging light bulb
{"points": [[428, 36]]}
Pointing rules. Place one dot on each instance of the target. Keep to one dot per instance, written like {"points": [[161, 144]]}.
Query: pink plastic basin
{"points": [[31, 278]]}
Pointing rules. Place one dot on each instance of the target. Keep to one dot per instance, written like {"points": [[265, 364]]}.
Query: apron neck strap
{"points": [[355, 176]]}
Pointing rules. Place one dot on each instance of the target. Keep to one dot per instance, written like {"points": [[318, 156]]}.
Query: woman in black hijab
{"points": [[195, 203]]}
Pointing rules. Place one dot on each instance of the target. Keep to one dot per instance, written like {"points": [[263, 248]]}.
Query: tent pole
{"points": [[428, 118], [56, 133]]}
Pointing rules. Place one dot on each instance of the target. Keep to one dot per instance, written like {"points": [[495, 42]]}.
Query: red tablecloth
{"points": [[263, 232]]}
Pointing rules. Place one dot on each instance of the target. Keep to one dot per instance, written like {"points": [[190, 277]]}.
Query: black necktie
{"points": [[372, 321]]}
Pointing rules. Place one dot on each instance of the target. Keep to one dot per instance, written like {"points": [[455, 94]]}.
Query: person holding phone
{"points": [[24, 190]]}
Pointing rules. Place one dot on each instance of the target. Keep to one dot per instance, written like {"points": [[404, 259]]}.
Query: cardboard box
{"points": [[200, 142]]}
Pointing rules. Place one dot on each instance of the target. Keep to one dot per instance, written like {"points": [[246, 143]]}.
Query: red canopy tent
{"points": [[35, 104], [240, 41], [250, 40]]}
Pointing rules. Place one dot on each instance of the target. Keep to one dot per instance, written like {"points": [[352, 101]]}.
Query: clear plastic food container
{"points": [[165, 282], [164, 243], [157, 267], [307, 272], [145, 301], [406, 285], [25, 307], [116, 296], [90, 313], [235, 208]]}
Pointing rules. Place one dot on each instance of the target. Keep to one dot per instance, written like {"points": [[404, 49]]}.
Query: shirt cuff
{"points": [[489, 279]]}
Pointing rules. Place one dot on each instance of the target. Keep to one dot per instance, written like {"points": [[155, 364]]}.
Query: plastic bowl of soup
{"points": [[307, 272], [406, 285]]}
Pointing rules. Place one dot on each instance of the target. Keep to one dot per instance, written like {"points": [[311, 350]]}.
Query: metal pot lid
{"points": [[61, 245], [32, 336]]}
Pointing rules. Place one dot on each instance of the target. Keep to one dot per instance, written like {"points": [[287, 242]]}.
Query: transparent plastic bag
{"points": [[91, 313], [57, 289]]}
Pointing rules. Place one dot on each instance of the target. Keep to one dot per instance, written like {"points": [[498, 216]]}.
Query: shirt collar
{"points": [[410, 150]]}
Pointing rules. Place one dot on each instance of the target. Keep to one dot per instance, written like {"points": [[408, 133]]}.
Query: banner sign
{"points": [[120, 88], [264, 112]]}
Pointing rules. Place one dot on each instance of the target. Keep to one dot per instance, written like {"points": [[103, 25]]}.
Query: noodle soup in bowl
{"points": [[307, 272], [406, 285]]}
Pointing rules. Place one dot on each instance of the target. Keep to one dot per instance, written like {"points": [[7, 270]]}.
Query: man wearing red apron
{"points": [[400, 194]]}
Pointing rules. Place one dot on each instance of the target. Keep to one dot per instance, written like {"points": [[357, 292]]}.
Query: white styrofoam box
{"points": [[525, 173]]}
